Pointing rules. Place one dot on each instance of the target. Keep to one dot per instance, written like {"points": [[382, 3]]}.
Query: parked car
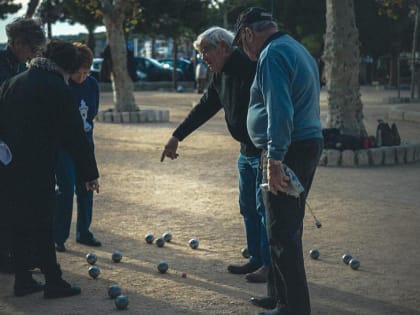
{"points": [[95, 68], [155, 71], [147, 69], [185, 65]]}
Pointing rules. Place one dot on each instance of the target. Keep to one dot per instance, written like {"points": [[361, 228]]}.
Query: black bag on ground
{"points": [[386, 135], [334, 140]]}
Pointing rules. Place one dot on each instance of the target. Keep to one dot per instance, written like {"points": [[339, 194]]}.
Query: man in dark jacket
{"points": [[25, 39], [37, 112], [229, 89]]}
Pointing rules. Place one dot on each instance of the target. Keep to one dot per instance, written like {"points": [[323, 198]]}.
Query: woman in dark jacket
{"points": [[37, 112]]}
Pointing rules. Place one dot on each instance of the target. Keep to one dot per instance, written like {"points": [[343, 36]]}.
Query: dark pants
{"points": [[68, 182], [32, 234], [284, 214], [22, 249], [6, 259]]}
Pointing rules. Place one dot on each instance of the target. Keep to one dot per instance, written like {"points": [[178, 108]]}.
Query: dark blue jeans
{"points": [[68, 182], [252, 209], [284, 214]]}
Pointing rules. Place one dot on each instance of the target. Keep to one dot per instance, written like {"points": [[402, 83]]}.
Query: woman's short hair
{"points": [[86, 55], [64, 54], [213, 36], [29, 31]]}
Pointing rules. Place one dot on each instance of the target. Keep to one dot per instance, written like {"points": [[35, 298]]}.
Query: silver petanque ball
{"points": [[91, 258], [245, 252], [346, 258], [167, 236], [162, 266], [314, 253], [94, 271], [121, 302], [160, 242], [193, 243], [114, 291], [354, 264], [149, 238], [116, 256]]}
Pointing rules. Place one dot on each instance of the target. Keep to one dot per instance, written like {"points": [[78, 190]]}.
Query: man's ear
{"points": [[248, 34]]}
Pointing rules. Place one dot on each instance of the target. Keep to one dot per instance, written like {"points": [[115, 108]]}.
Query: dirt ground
{"points": [[372, 213]]}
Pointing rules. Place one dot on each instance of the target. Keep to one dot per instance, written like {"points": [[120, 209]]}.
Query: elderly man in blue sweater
{"points": [[284, 121]]}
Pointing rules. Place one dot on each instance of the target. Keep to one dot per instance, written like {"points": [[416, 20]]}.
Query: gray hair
{"points": [[213, 36], [263, 25], [27, 30]]}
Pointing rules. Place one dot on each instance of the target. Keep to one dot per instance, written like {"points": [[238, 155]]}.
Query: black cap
{"points": [[250, 16]]}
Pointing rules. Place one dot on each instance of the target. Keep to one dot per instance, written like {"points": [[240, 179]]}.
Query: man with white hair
{"points": [[229, 89]]}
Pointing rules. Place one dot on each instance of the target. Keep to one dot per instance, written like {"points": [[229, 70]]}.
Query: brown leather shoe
{"points": [[258, 276], [266, 302], [242, 269]]}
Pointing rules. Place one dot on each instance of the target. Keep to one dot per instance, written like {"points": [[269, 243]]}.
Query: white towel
{"points": [[5, 153]]}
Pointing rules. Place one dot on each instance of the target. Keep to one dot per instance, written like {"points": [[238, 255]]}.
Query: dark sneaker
{"points": [[28, 287], [60, 289], [258, 276], [266, 302], [60, 248], [243, 269], [89, 242], [7, 264]]}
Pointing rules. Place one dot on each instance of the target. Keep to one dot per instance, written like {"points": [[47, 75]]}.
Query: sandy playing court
{"points": [[372, 213]]}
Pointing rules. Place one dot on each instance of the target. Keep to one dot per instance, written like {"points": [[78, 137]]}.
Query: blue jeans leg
{"points": [[252, 209], [84, 211], [65, 180]]}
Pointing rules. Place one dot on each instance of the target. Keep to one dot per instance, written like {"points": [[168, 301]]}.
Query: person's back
{"points": [[29, 128]]}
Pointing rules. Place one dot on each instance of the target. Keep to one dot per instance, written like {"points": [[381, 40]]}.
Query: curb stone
{"points": [[395, 155], [142, 116]]}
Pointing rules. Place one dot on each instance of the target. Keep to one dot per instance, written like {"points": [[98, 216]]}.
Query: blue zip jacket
{"points": [[284, 103]]}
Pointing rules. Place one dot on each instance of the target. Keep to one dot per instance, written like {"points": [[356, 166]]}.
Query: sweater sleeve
{"points": [[73, 138], [208, 106], [275, 81]]}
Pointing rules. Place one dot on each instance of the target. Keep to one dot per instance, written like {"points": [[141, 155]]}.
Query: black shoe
{"points": [[60, 248], [7, 263], [243, 269], [89, 242], [6, 267], [266, 302], [59, 289], [28, 287]]}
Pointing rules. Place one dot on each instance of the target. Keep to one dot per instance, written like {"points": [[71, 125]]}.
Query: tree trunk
{"points": [[122, 85], [175, 63], [342, 60], [153, 48], [91, 39], [49, 30], [30, 11], [413, 53]]}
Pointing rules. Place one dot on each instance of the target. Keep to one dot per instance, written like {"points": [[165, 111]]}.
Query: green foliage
{"points": [[173, 18], [380, 34], [314, 43], [8, 7], [75, 11], [50, 11]]}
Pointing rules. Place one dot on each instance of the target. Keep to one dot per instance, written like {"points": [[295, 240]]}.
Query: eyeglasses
{"points": [[204, 52]]}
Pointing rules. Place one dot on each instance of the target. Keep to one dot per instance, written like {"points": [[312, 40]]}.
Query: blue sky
{"points": [[57, 28]]}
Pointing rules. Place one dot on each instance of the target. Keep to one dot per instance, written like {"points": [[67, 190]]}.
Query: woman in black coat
{"points": [[37, 112]]}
